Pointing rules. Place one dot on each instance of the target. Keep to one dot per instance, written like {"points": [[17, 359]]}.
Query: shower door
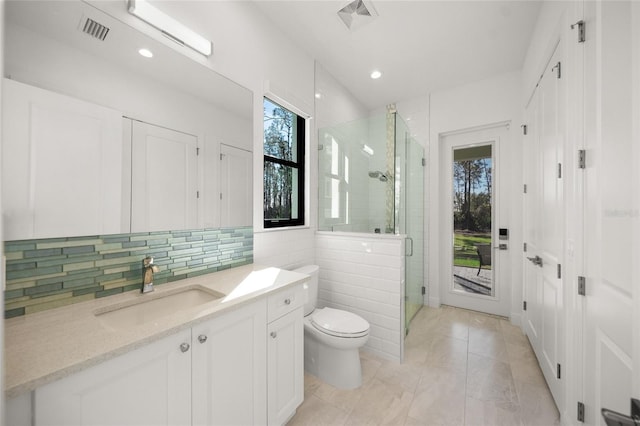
{"points": [[409, 219]]}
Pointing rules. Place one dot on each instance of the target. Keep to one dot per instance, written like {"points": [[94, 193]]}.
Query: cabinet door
{"points": [[149, 386], [285, 366], [236, 180], [164, 179], [61, 157], [229, 370]]}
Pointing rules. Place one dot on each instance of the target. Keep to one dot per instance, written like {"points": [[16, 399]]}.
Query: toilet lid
{"points": [[339, 323]]}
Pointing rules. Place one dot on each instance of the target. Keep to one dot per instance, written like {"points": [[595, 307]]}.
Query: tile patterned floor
{"points": [[461, 368]]}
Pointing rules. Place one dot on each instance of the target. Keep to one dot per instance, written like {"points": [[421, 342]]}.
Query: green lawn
{"points": [[464, 253]]}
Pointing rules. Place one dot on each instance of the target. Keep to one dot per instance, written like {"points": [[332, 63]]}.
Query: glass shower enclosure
{"points": [[371, 179]]}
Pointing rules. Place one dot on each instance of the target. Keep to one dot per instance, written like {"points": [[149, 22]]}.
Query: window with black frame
{"points": [[284, 141]]}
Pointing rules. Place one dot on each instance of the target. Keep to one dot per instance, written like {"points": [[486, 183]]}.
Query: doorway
{"points": [[469, 238]]}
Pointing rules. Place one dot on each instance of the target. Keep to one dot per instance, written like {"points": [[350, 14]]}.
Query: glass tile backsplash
{"points": [[48, 273]]}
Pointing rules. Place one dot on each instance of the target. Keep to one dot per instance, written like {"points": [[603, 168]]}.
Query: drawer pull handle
{"points": [[287, 301], [202, 338], [274, 334], [184, 347]]}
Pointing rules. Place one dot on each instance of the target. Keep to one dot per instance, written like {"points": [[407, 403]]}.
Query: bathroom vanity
{"points": [[230, 351]]}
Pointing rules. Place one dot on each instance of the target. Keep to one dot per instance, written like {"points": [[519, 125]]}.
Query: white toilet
{"points": [[332, 339]]}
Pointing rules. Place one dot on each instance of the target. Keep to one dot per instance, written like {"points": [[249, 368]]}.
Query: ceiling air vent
{"points": [[357, 14], [93, 28]]}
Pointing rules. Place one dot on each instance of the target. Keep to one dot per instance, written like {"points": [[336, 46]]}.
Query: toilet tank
{"points": [[312, 290]]}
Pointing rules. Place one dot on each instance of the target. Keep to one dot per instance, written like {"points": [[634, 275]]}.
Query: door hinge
{"points": [[424, 162], [524, 129], [581, 31], [559, 170], [424, 290], [582, 286], [197, 194], [582, 159], [221, 195], [559, 270], [524, 247], [525, 188], [558, 68], [524, 305], [559, 371], [197, 151], [580, 412]]}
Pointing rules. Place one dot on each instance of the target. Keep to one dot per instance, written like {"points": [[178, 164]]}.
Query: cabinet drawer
{"points": [[285, 301]]}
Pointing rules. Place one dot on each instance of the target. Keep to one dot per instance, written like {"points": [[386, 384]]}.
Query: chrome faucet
{"points": [[148, 268]]}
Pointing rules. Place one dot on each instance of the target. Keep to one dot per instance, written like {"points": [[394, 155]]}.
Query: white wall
{"points": [[540, 47], [364, 274], [334, 104], [484, 102]]}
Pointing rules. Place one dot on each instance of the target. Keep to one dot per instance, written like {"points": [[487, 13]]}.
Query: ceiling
{"points": [[420, 46]]}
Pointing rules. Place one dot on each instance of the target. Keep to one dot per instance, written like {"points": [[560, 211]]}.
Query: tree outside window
{"points": [[284, 140]]}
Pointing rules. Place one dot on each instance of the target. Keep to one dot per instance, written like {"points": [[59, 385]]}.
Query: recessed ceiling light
{"points": [[318, 95], [376, 74], [146, 53]]}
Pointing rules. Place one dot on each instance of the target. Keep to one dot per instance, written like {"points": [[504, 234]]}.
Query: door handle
{"points": [[409, 239], [613, 418], [537, 260]]}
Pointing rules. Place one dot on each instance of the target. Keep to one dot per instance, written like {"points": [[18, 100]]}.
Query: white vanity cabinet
{"points": [[285, 357], [150, 385], [229, 371], [211, 374]]}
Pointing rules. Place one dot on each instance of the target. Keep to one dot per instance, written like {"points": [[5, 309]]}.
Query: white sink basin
{"points": [[150, 307]]}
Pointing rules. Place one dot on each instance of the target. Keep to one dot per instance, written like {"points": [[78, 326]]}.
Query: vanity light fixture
{"points": [[376, 74], [169, 27], [146, 53]]}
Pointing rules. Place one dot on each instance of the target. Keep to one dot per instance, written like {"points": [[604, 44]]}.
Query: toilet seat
{"points": [[339, 323]]}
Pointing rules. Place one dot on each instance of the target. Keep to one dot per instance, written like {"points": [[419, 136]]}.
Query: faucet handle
{"points": [[147, 261]]}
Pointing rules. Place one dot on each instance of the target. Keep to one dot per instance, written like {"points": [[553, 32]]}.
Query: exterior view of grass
{"points": [[464, 248]]}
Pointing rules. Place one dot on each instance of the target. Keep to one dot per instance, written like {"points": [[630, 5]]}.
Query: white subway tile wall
{"points": [[287, 249], [364, 274]]}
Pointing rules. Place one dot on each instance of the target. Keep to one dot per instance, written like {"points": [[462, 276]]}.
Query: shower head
{"points": [[382, 177]]}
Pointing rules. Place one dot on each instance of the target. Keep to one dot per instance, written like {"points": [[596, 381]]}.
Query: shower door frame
{"points": [[414, 247]]}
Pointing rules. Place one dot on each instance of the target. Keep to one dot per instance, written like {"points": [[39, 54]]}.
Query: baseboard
{"points": [[516, 319], [434, 302]]}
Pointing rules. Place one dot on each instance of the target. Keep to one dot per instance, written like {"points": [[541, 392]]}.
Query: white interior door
{"points": [[532, 318], [164, 191], [498, 301], [236, 173], [611, 208], [544, 223], [61, 156]]}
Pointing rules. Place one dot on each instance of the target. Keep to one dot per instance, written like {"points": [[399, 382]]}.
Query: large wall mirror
{"points": [[98, 139]]}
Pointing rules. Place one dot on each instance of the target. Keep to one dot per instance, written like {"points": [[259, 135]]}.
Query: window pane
{"points": [[280, 192], [280, 132]]}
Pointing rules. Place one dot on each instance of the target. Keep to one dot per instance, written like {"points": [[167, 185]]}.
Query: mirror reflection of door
{"points": [[472, 220], [164, 179]]}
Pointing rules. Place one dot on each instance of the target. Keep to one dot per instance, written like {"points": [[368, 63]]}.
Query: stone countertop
{"points": [[46, 346]]}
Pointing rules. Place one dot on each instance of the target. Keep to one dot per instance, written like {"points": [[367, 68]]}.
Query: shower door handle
{"points": [[409, 239]]}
